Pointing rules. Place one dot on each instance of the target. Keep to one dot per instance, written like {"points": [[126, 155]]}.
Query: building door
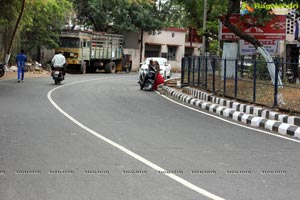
{"points": [[152, 50], [172, 52]]}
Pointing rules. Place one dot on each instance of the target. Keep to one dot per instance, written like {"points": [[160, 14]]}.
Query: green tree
{"points": [[9, 10], [39, 25], [43, 22], [194, 17], [136, 17], [261, 16], [172, 14], [124, 15], [8, 50], [226, 8]]}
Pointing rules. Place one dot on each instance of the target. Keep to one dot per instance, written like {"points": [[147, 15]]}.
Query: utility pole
{"points": [[204, 27]]}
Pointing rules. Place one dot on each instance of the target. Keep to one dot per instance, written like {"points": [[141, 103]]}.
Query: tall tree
{"points": [[136, 17], [119, 15], [43, 22], [9, 10], [260, 16], [8, 51], [39, 25], [194, 12]]}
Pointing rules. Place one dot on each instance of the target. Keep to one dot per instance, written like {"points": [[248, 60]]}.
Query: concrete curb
{"points": [[249, 109], [253, 116]]}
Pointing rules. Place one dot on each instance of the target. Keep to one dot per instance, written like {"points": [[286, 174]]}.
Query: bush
{"points": [[262, 72]]}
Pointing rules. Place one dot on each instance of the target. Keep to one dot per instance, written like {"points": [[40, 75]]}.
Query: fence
{"points": [[245, 80]]}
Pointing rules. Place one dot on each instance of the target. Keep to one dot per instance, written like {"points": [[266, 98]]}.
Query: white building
{"points": [[170, 43]]}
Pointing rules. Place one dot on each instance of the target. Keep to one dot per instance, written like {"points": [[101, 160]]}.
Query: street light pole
{"points": [[204, 27]]}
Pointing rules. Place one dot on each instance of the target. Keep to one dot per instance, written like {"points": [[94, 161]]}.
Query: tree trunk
{"points": [[232, 7], [8, 52], [141, 45]]}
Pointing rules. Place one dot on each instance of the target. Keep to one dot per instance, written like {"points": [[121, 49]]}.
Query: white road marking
{"points": [[228, 121], [127, 151]]}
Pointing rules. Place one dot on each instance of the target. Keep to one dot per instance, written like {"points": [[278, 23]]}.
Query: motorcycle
{"points": [[2, 70], [57, 75], [147, 79]]}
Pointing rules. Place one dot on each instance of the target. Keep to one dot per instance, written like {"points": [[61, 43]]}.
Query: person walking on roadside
{"points": [[21, 62]]}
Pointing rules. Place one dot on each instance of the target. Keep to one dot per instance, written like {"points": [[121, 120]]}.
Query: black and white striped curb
{"points": [[238, 112], [249, 109]]}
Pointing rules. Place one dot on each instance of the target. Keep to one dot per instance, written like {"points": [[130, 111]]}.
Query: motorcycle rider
{"points": [[152, 68], [59, 60]]}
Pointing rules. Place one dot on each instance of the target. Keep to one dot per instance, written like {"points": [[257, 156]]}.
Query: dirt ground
{"points": [[31, 74]]}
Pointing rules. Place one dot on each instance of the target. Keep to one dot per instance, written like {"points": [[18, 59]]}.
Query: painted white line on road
{"points": [[228, 121], [127, 151]]}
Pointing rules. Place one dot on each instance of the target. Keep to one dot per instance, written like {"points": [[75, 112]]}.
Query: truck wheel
{"points": [[110, 67], [83, 68], [92, 68]]}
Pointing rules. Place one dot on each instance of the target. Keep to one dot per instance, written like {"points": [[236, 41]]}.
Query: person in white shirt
{"points": [[59, 60]]}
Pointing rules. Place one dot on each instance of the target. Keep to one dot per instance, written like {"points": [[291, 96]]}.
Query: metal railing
{"points": [[245, 80]]}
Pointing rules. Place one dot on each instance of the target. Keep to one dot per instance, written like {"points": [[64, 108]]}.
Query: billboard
{"points": [[272, 46], [272, 30], [249, 6]]}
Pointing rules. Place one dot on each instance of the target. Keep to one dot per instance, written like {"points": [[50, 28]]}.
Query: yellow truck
{"points": [[87, 51]]}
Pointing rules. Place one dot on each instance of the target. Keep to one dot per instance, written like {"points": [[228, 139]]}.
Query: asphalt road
{"points": [[99, 137]]}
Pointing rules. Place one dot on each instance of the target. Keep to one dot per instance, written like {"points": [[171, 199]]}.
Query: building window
{"points": [[150, 53], [164, 55], [172, 52], [152, 50], [85, 43]]}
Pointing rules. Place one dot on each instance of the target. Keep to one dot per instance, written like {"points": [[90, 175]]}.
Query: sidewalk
{"points": [[249, 114], [13, 75]]}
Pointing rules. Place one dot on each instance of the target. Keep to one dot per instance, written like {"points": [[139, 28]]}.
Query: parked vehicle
{"points": [[147, 79], [87, 51], [57, 75], [2, 70], [164, 65]]}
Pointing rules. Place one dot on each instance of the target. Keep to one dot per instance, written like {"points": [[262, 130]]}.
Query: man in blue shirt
{"points": [[21, 62]]}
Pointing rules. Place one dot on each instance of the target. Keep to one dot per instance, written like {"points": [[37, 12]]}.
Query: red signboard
{"points": [[273, 30]]}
